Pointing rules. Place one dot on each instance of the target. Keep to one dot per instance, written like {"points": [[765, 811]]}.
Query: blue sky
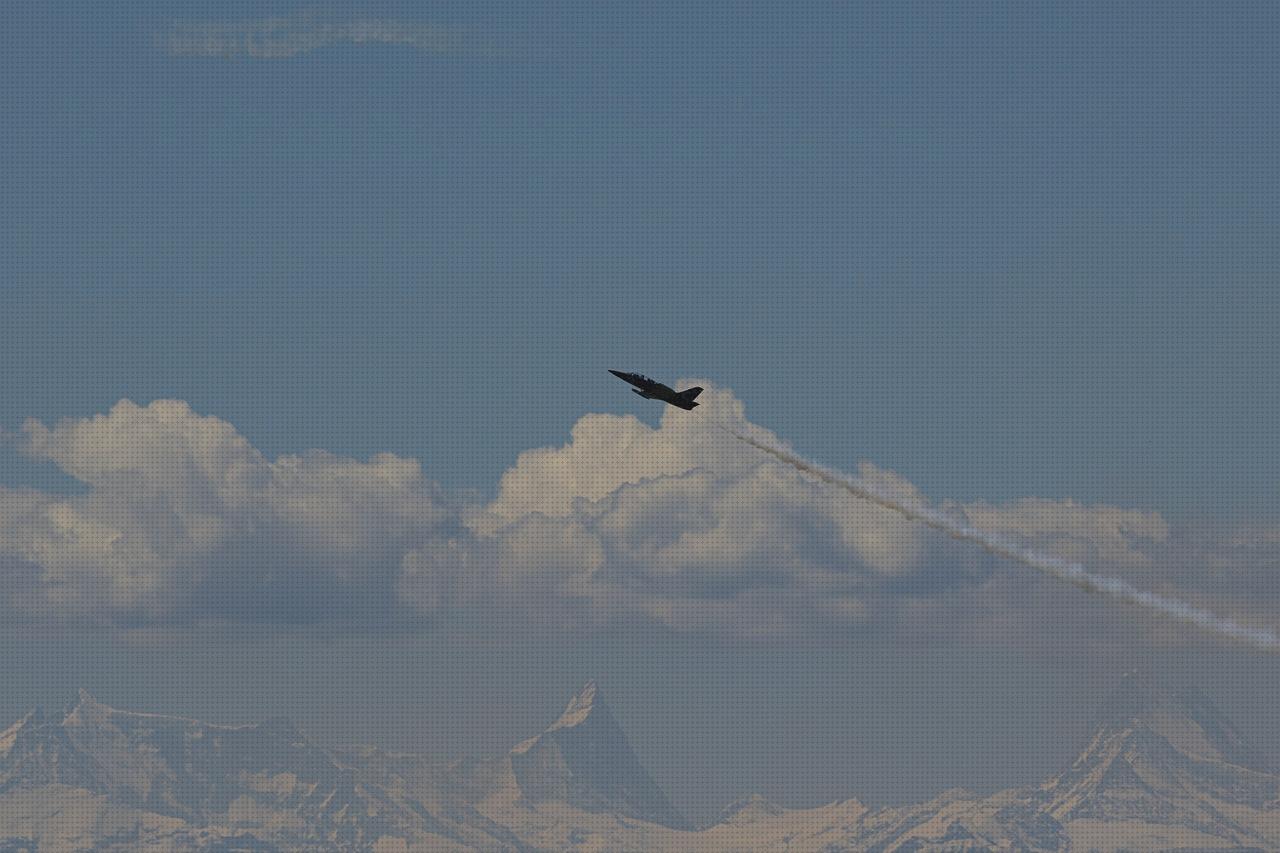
{"points": [[1004, 250]]}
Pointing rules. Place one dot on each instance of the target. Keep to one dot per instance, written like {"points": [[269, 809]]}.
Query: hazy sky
{"points": [[1003, 251]]}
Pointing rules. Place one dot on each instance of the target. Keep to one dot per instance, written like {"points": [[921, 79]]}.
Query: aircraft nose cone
{"points": [[617, 373]]}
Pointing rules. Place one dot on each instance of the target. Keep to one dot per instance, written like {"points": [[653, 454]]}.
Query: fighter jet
{"points": [[651, 389]]}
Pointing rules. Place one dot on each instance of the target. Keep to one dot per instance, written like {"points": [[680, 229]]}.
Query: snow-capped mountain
{"points": [[1163, 770], [1168, 759], [582, 760], [128, 780], [958, 822]]}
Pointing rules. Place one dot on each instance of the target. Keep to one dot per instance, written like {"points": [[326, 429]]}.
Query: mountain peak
{"points": [[584, 759], [34, 717], [1182, 716], [9, 736], [1136, 694], [1165, 756], [580, 707], [749, 809], [87, 710]]}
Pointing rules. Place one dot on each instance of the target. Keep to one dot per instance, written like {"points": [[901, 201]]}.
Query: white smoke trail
{"points": [[1049, 564]]}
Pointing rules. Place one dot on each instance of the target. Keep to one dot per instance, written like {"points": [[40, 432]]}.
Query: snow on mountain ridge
{"points": [[750, 808], [1163, 770], [265, 779], [582, 760], [9, 736], [1184, 717], [578, 709], [89, 710], [1169, 760]]}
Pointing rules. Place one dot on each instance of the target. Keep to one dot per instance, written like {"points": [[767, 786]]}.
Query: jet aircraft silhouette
{"points": [[652, 389]]}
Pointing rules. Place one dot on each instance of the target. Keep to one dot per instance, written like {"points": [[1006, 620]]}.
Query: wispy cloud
{"points": [[284, 37]]}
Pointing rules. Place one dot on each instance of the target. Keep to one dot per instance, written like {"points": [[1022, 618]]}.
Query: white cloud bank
{"points": [[183, 515], [681, 525]]}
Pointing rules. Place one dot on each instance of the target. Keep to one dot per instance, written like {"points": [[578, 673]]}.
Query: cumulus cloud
{"points": [[679, 525], [184, 516], [287, 36]]}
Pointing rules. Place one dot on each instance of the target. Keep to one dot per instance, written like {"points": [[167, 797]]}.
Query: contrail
{"points": [[1049, 564]]}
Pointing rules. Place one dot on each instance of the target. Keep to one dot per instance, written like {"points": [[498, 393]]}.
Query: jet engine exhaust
{"points": [[1057, 567]]}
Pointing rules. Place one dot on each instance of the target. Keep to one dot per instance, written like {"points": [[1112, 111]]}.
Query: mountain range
{"points": [[1162, 770]]}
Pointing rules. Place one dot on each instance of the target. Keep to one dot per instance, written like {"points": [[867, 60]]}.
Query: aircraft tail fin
{"points": [[690, 394]]}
